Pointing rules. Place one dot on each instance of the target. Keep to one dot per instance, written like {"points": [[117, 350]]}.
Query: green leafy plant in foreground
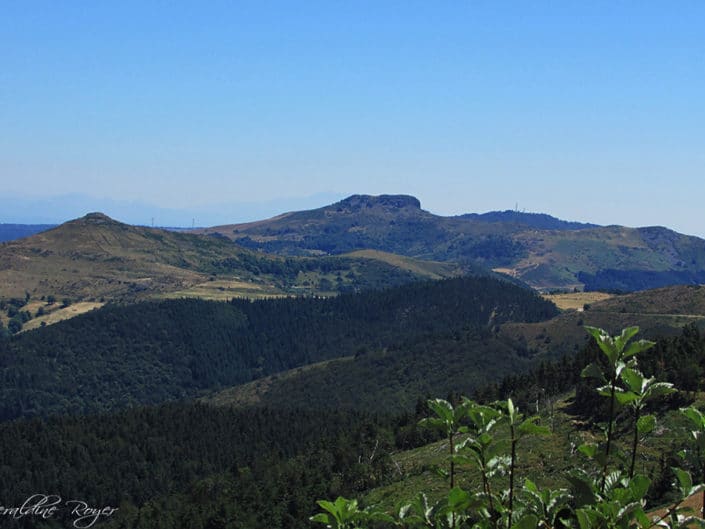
{"points": [[605, 494], [619, 356], [697, 455]]}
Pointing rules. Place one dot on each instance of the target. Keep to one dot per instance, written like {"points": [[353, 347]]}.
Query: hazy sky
{"points": [[587, 110]]}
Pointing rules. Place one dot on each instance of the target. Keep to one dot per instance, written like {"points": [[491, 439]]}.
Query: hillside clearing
{"points": [[62, 313], [576, 300]]}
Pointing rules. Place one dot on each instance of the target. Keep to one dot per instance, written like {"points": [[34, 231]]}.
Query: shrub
{"points": [[608, 493]]}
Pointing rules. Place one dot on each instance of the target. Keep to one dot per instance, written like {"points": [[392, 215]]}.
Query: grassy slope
{"points": [[658, 312], [384, 380], [556, 256], [60, 313], [95, 257], [677, 300], [425, 268]]}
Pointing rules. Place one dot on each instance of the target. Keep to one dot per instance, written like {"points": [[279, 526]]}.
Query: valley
{"points": [[352, 265], [120, 340]]}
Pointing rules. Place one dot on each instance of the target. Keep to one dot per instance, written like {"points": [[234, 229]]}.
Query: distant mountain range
{"points": [[543, 251], [391, 230], [58, 209], [10, 232]]}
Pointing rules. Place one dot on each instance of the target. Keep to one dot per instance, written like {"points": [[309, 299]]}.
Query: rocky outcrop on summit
{"points": [[391, 202]]}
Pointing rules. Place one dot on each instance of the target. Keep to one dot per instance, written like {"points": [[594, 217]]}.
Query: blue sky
{"points": [[589, 111]]}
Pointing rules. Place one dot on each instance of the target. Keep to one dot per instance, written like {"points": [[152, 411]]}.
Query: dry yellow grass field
{"points": [[431, 269], [225, 289], [59, 313], [576, 300]]}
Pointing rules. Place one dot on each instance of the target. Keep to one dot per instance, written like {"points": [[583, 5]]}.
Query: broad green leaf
{"points": [[528, 521], [484, 439], [628, 510], [626, 335], [531, 486], [638, 486], [459, 500], [625, 397], [637, 347], [432, 422], [696, 489], [604, 342], [588, 519], [615, 348], [685, 482], [661, 388], [633, 379], [695, 416], [641, 518], [646, 424], [321, 517], [620, 495], [328, 506], [442, 408], [588, 449], [421, 505]]}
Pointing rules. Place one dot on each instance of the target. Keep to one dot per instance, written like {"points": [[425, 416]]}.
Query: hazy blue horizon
{"points": [[586, 111], [59, 209]]}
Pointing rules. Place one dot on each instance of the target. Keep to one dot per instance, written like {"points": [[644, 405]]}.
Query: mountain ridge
{"points": [[96, 256], [535, 220], [544, 251]]}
